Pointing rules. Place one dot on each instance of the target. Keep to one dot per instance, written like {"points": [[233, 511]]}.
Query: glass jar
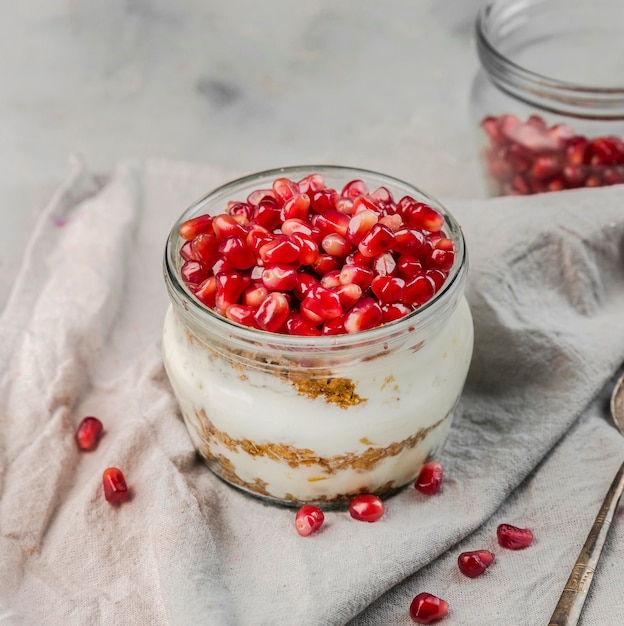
{"points": [[296, 419], [549, 98]]}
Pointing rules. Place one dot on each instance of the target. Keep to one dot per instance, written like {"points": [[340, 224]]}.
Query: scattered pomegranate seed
{"points": [[473, 564], [426, 608], [514, 538], [309, 519], [88, 433], [302, 258], [115, 488], [530, 157], [430, 478], [366, 508]]}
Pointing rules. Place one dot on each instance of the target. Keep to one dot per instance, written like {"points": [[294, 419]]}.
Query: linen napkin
{"points": [[530, 445]]}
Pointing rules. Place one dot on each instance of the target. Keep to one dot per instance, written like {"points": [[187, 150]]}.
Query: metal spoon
{"points": [[570, 605]]}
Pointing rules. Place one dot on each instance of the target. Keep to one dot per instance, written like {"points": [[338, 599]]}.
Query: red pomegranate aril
{"points": [[193, 273], [115, 487], [424, 217], [195, 226], [320, 305], [256, 196], [88, 433], [207, 292], [441, 259], [267, 214], [235, 251], [427, 608], [205, 248], [226, 226], [438, 277], [393, 222], [366, 508], [282, 249], [366, 203], [254, 296], [394, 311], [613, 175], [363, 315], [409, 266], [593, 181], [357, 258], [345, 205], [354, 188], [605, 150], [294, 225], [331, 279], [296, 208], [430, 478], [408, 241], [326, 263], [556, 184], [257, 237], [418, 290], [348, 295], [388, 288], [230, 286], [333, 327], [377, 240], [359, 225], [309, 519], [311, 183], [309, 252], [384, 264], [323, 200], [273, 312], [356, 274], [383, 194], [284, 189], [332, 221], [297, 325], [305, 283], [278, 277], [545, 167], [241, 208], [336, 245], [187, 253], [513, 538], [577, 152], [473, 564], [242, 314]]}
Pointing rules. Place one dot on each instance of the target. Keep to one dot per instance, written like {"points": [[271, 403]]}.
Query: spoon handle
{"points": [[568, 609]]}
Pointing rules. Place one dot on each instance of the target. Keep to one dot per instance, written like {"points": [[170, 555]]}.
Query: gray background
{"points": [[249, 85]]}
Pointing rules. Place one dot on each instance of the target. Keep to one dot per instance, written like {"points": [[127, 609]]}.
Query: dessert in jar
{"points": [[549, 98], [318, 337]]}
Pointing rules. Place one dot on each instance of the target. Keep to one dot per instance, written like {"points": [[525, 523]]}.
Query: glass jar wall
{"points": [[549, 98], [295, 419]]}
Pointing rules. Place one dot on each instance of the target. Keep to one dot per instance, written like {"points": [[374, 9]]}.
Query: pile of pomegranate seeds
{"points": [[88, 433], [427, 608], [304, 259], [430, 478], [514, 538], [473, 564], [366, 508], [531, 157], [309, 519], [115, 488]]}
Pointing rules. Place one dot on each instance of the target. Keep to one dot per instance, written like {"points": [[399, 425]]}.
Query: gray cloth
{"points": [[530, 445]]}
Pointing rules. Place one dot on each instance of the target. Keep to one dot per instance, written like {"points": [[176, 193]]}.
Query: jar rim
{"points": [[546, 92], [207, 318]]}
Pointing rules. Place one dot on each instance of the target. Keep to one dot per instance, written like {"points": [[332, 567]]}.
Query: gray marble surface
{"points": [[249, 85]]}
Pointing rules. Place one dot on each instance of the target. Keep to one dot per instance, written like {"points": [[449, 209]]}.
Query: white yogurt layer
{"points": [[285, 444]]}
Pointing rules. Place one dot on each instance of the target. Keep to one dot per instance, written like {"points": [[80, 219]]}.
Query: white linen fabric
{"points": [[531, 444]]}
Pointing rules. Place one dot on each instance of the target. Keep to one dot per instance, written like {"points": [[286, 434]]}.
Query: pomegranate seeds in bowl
{"points": [[297, 232]]}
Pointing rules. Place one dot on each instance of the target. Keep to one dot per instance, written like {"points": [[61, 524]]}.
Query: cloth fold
{"points": [[530, 444]]}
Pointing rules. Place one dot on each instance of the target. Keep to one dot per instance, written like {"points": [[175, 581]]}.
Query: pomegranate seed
{"points": [[345, 205], [207, 292], [226, 226], [348, 294], [363, 315], [605, 150], [409, 266], [115, 488], [382, 194], [296, 208], [254, 296], [359, 225], [187, 253], [235, 251], [366, 508], [426, 608], [311, 183], [377, 240], [356, 274], [336, 245], [256, 196], [438, 277], [424, 217], [195, 226], [384, 264], [242, 314], [366, 203], [241, 208], [294, 225], [419, 290], [513, 538], [309, 252], [613, 175], [282, 249], [205, 248], [305, 283], [331, 279], [273, 312], [88, 433], [267, 214], [408, 241], [393, 222], [308, 519], [473, 564], [229, 288], [545, 167], [284, 189], [394, 311], [193, 272], [277, 277], [323, 200], [430, 478], [297, 325], [332, 221], [334, 327], [354, 188], [326, 263], [319, 305], [441, 259], [388, 288], [491, 127], [357, 258], [257, 237]]}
